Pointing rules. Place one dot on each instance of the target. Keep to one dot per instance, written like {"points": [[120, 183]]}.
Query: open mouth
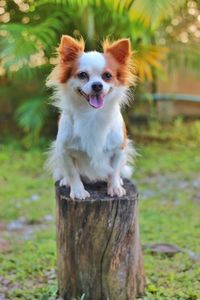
{"points": [[95, 100]]}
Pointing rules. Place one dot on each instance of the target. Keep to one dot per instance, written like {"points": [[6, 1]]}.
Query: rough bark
{"points": [[98, 245]]}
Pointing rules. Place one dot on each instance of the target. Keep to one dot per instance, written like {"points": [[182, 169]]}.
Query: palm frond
{"points": [[25, 47], [30, 116], [152, 12], [148, 57]]}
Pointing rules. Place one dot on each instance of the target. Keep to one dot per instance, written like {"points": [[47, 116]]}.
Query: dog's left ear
{"points": [[120, 50], [70, 48]]}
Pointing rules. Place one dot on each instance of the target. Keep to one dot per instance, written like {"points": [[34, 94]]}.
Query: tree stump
{"points": [[98, 246]]}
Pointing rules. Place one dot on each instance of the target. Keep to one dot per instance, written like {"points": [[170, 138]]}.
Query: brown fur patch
{"points": [[120, 50], [69, 48], [119, 58], [68, 53], [125, 136]]}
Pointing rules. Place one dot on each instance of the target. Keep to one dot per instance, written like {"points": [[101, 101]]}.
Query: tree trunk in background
{"points": [[99, 252]]}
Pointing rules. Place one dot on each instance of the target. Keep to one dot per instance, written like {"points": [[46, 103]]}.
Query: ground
{"points": [[168, 178]]}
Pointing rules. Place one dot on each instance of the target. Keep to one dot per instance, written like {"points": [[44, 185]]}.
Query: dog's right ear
{"points": [[70, 48]]}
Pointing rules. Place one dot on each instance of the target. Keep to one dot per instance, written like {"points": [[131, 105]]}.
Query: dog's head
{"points": [[93, 75]]}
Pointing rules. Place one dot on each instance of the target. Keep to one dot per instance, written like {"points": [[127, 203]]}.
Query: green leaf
{"points": [[30, 115]]}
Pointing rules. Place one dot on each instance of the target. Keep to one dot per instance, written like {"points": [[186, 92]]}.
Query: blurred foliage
{"points": [[30, 117], [31, 30], [177, 131]]}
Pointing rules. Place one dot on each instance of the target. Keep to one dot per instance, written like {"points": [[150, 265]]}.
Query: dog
{"points": [[91, 143]]}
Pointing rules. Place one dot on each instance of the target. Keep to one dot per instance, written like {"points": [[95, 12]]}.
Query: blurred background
{"points": [[163, 120]]}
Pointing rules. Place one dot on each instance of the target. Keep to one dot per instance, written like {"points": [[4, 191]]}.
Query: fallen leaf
{"points": [[163, 248]]}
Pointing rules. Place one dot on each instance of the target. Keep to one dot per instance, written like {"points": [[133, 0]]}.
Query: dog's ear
{"points": [[120, 50], [70, 48]]}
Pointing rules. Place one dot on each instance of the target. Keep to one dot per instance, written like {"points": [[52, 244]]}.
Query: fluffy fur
{"points": [[91, 143]]}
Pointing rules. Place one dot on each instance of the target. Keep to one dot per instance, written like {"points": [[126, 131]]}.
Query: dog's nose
{"points": [[97, 86]]}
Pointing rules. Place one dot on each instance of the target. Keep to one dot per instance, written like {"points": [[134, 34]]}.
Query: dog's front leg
{"points": [[65, 164], [77, 189], [72, 176], [114, 186]]}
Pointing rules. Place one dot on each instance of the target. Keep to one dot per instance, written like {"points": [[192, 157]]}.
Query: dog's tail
{"points": [[127, 171], [128, 168]]}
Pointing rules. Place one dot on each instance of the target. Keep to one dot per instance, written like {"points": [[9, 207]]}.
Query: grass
{"points": [[27, 194], [167, 176]]}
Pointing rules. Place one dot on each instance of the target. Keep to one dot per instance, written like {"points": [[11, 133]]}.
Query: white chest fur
{"points": [[97, 132]]}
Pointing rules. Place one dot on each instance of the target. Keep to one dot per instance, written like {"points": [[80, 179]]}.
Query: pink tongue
{"points": [[97, 101]]}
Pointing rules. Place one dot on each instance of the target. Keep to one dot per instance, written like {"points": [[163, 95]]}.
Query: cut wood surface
{"points": [[98, 246]]}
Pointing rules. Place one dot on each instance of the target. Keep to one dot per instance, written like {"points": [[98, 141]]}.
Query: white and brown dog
{"points": [[90, 87]]}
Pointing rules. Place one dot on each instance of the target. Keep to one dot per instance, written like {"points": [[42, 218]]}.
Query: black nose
{"points": [[97, 87]]}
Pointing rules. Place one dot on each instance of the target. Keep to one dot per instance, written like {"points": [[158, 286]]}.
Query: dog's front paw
{"points": [[118, 191], [79, 193], [63, 182]]}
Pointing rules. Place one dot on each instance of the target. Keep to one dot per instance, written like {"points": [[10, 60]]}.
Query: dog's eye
{"points": [[107, 76], [83, 75]]}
